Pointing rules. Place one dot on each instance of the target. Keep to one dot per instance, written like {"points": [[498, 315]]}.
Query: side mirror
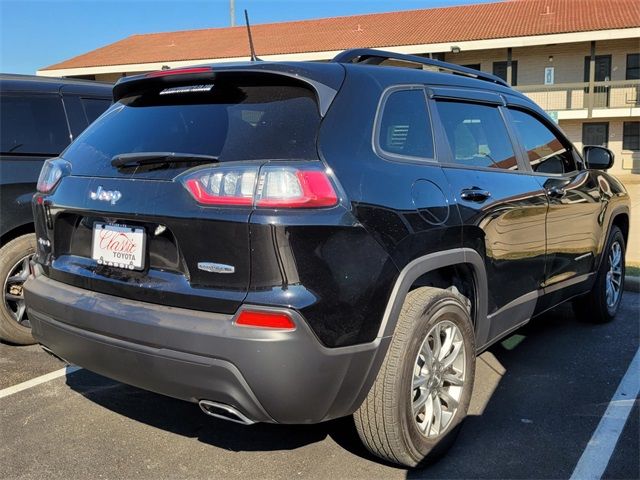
{"points": [[598, 158]]}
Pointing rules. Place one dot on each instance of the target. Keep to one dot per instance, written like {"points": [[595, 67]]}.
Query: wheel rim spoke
{"points": [[437, 343], [428, 354], [453, 355], [20, 313], [13, 298], [419, 380], [451, 402], [452, 380], [15, 279], [420, 402], [437, 417], [446, 345], [428, 415]]}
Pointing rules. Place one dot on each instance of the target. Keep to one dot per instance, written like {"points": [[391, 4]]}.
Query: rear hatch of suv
{"points": [[157, 202]]}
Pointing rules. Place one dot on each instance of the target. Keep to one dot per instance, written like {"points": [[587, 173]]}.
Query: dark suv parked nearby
{"points": [[39, 116], [296, 242]]}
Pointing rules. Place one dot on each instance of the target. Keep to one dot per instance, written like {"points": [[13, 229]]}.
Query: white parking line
{"points": [[5, 392], [596, 456]]}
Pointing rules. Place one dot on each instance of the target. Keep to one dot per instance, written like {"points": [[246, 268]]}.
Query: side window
{"points": [[94, 107], [545, 151], [405, 128], [32, 124], [477, 135]]}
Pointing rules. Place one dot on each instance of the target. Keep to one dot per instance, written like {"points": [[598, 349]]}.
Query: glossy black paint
{"points": [[338, 266], [19, 172]]}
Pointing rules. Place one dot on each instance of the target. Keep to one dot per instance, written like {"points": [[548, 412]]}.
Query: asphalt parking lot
{"points": [[539, 396]]}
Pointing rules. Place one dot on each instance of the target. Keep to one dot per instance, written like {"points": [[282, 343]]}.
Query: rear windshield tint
{"points": [[232, 122]]}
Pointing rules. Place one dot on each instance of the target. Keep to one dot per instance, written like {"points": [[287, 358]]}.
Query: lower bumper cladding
{"points": [[233, 372]]}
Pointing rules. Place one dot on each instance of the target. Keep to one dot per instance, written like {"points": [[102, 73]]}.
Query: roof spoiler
{"points": [[371, 56], [127, 86]]}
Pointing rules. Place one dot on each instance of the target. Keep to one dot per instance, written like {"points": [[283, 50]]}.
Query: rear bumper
{"points": [[269, 376]]}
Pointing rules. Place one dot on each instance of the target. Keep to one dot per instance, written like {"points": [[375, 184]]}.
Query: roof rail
{"points": [[371, 56]]}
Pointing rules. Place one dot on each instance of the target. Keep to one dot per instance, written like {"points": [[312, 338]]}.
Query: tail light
{"points": [[52, 172], [272, 186], [265, 319]]}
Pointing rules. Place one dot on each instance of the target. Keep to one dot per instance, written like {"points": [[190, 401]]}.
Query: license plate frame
{"points": [[119, 246]]}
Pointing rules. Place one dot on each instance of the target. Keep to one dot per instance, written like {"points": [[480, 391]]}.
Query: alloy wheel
{"points": [[613, 283], [438, 379], [14, 293]]}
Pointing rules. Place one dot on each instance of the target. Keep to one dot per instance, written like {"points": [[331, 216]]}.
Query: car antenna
{"points": [[254, 58]]}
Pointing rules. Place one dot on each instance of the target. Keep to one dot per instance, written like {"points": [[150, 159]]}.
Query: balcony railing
{"points": [[577, 96]]}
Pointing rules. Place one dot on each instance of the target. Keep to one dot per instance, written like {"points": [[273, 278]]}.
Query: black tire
{"points": [[11, 255], [593, 307], [385, 421]]}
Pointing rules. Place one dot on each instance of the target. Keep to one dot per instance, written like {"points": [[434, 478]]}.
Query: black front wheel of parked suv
{"points": [[602, 303]]}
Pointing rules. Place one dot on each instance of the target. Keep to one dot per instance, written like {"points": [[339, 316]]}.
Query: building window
{"points": [[603, 68], [631, 136], [500, 70], [633, 66], [475, 66], [595, 134]]}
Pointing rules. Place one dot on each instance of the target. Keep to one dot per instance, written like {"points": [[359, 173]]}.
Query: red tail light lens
{"points": [[258, 319], [178, 71], [272, 187], [52, 172]]}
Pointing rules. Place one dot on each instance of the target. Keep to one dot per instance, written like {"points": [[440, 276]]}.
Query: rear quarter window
{"points": [[32, 125], [404, 128]]}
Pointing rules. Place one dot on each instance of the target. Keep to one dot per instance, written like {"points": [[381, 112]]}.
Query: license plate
{"points": [[118, 246]]}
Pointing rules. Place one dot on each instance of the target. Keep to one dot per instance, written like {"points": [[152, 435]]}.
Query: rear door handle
{"points": [[475, 195], [556, 192]]}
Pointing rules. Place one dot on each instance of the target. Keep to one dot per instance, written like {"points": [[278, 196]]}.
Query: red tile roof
{"points": [[436, 25]]}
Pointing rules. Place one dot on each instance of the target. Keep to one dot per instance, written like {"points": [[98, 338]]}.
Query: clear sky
{"points": [[35, 34]]}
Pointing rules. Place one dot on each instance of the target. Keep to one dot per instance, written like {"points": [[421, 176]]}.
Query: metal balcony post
{"points": [[592, 79]]}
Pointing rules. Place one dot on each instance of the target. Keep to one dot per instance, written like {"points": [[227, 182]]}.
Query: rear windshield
{"points": [[232, 122]]}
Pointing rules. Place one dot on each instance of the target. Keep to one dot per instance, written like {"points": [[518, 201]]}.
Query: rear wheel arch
{"points": [[428, 268], [16, 232]]}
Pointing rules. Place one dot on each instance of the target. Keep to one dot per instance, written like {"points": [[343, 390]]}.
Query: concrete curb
{"points": [[632, 284]]}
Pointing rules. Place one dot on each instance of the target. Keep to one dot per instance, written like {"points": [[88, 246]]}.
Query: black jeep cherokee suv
{"points": [[296, 242]]}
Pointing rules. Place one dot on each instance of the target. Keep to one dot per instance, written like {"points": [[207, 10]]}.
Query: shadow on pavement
{"points": [[550, 383], [186, 419]]}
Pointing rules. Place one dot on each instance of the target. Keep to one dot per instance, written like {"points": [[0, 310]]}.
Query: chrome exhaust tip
{"points": [[224, 412]]}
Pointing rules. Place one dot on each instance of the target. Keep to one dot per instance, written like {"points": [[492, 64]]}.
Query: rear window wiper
{"points": [[151, 158]]}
